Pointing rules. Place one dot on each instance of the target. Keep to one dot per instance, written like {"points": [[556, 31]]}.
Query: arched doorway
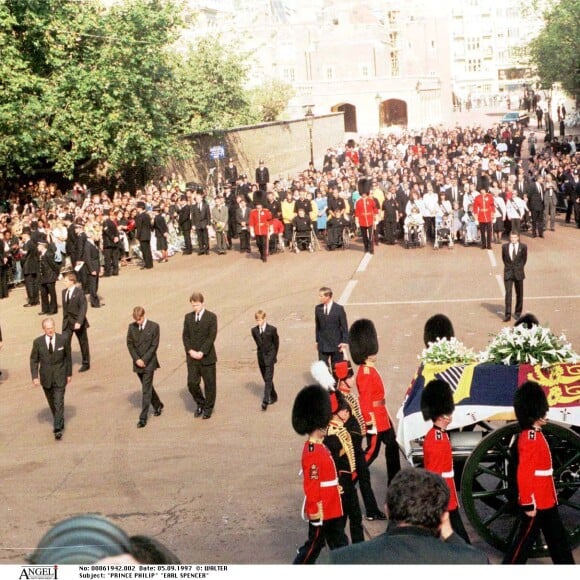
{"points": [[349, 116], [394, 112]]}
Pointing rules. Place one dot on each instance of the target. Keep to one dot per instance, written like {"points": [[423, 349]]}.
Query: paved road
{"points": [[227, 490]]}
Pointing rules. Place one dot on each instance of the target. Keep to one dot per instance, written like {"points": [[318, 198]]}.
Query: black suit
{"points": [[111, 250], [200, 336], [92, 259], [242, 219], [75, 311], [143, 345], [268, 344], [201, 217], [31, 269], [536, 205], [54, 369], [407, 545], [513, 275], [262, 178], [49, 271], [331, 330], [143, 234], [184, 221]]}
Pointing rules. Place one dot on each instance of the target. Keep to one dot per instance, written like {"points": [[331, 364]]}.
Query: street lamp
{"points": [[378, 100], [309, 116]]}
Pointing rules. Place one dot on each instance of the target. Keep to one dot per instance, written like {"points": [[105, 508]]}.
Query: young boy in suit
{"points": [[267, 342]]}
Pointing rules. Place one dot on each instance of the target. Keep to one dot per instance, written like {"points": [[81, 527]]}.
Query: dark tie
{"points": [[140, 328], [197, 317], [50, 349]]}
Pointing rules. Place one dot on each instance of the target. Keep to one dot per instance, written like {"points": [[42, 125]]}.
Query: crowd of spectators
{"points": [[439, 171]]}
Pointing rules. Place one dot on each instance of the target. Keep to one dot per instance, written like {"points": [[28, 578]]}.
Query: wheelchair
{"points": [[304, 241]]}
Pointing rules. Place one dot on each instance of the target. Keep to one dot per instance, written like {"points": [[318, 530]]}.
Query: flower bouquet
{"points": [[536, 346], [448, 351]]}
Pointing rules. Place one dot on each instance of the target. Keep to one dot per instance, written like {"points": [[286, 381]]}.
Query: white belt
{"points": [[448, 473], [543, 472], [331, 483]]}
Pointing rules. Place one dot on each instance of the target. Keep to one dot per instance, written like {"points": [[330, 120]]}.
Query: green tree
{"points": [[211, 83], [270, 100], [85, 85], [555, 51]]}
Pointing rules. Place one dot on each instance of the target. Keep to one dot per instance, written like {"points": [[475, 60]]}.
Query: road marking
{"points": [[492, 259], [500, 284], [347, 292], [457, 300], [364, 262]]}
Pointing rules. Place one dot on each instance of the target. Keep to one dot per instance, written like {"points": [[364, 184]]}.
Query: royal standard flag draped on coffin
{"points": [[484, 392]]}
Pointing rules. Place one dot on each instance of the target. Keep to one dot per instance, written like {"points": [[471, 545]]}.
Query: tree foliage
{"points": [[271, 99], [555, 51]]}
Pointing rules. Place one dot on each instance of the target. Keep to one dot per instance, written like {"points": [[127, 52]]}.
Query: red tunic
{"points": [[258, 221], [372, 400], [535, 481], [320, 482], [365, 211], [437, 457], [484, 207]]}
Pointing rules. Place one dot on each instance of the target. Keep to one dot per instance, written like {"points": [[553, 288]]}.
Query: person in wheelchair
{"points": [[302, 231], [335, 226], [414, 224]]}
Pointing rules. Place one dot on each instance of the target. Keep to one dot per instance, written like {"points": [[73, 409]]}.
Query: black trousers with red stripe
{"points": [[331, 532], [548, 521], [391, 451]]}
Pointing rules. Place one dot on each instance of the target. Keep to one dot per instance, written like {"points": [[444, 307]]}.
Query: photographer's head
{"points": [[417, 497]]}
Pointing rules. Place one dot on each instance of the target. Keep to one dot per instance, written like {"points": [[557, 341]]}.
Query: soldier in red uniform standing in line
{"points": [[484, 209], [365, 211], [364, 347], [311, 415], [437, 405], [536, 491], [259, 228]]}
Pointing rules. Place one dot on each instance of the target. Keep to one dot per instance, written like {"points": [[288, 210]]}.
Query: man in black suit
{"points": [[331, 328], [49, 272], [143, 234], [111, 250], [74, 317], [201, 217], [242, 219], [143, 342], [184, 221], [266, 338], [51, 367], [514, 255], [92, 266], [199, 334], [71, 239], [262, 176], [419, 531], [30, 267], [536, 204]]}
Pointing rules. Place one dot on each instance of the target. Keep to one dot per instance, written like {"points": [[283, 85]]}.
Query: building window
{"points": [[329, 73], [473, 43], [474, 65], [394, 63], [289, 75], [365, 71]]}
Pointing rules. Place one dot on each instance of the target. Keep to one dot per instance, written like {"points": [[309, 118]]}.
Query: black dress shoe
{"points": [[58, 435], [159, 410], [27, 305], [507, 318], [264, 406], [198, 412], [376, 516], [43, 313], [141, 424], [84, 368], [206, 416]]}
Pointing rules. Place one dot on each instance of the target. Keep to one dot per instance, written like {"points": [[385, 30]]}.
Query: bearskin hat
{"points": [[527, 320], [436, 400], [363, 340], [530, 404], [438, 326], [311, 409]]}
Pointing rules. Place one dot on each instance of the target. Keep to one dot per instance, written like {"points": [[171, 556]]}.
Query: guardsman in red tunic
{"points": [[365, 211], [259, 224], [484, 210], [311, 415], [364, 347], [536, 491], [437, 405]]}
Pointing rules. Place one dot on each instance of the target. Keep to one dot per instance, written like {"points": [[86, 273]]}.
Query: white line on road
{"points": [[500, 284], [492, 258], [454, 300], [364, 262], [347, 292]]}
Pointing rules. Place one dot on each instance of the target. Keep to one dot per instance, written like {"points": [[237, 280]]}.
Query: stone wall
{"points": [[284, 146]]}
